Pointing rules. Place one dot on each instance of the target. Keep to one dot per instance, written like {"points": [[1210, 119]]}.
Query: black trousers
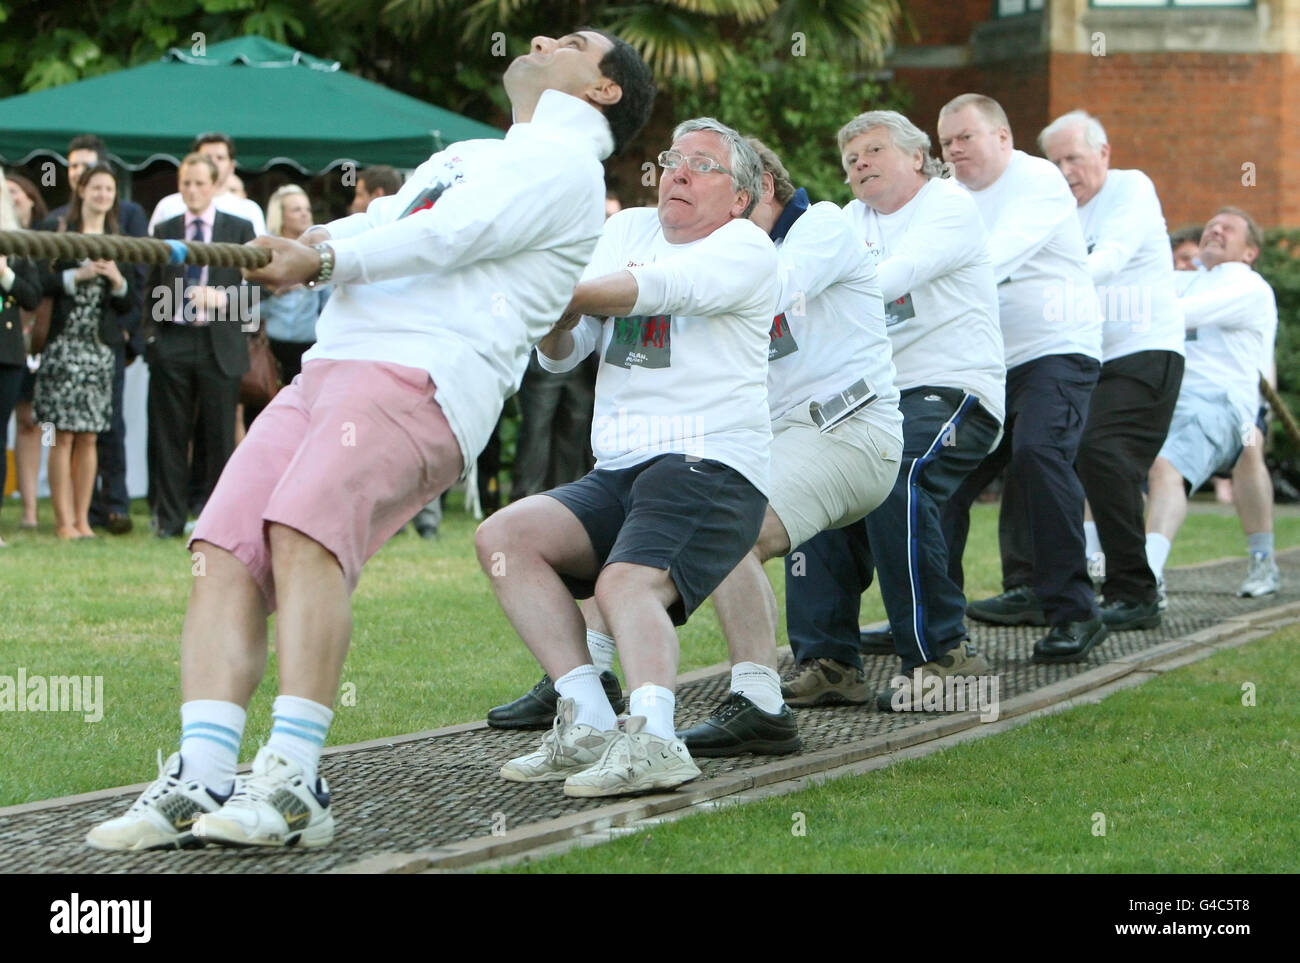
{"points": [[183, 376], [946, 433], [111, 496], [555, 430], [11, 383], [1127, 423], [1042, 498]]}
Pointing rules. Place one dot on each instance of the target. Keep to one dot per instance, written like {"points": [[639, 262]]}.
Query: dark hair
{"points": [[1254, 236], [381, 177], [623, 65], [74, 206], [39, 210], [214, 137], [89, 142], [1186, 235]]}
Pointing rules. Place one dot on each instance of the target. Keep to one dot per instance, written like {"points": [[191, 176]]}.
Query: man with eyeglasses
{"points": [[679, 303]]}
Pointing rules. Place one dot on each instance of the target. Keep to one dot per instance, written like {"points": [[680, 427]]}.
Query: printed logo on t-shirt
{"points": [[644, 342], [429, 196], [1190, 334], [899, 311], [780, 338]]}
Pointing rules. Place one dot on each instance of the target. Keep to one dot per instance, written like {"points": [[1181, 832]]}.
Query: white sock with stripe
{"points": [[657, 704], [298, 731], [211, 731]]}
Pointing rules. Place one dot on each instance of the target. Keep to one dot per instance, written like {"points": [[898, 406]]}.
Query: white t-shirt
{"points": [[941, 303], [1231, 318], [1046, 300], [1128, 258], [174, 204], [686, 371], [829, 330], [467, 266]]}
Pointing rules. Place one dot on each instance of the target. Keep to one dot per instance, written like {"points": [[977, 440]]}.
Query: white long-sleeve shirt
{"points": [[466, 267], [1231, 316], [686, 371], [830, 325], [941, 301], [1128, 258], [1046, 300], [174, 204]]}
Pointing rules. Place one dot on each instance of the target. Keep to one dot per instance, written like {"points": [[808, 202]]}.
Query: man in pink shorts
{"points": [[440, 291]]}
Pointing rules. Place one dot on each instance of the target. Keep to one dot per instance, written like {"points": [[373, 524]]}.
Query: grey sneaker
{"points": [[566, 749], [962, 660], [1262, 578], [825, 682], [635, 762], [1162, 596]]}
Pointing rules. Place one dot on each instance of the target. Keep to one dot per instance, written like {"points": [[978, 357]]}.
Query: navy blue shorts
{"points": [[695, 519]]}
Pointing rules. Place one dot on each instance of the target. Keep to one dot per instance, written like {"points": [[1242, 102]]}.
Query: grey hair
{"points": [[906, 136], [1094, 135], [746, 167]]}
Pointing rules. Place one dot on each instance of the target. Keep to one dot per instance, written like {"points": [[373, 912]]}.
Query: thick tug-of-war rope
{"points": [[130, 250]]}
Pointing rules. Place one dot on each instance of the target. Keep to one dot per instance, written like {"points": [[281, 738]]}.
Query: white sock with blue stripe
{"points": [[298, 730], [210, 734]]}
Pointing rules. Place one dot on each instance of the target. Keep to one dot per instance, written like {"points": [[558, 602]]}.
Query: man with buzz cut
{"points": [[1142, 360], [679, 302], [439, 293], [1051, 332], [1231, 318], [836, 437]]}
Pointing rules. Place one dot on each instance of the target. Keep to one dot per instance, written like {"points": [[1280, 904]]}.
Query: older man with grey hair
{"points": [[925, 236], [1141, 355], [678, 302]]}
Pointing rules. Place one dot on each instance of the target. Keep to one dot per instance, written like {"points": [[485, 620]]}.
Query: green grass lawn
{"points": [[430, 646], [1186, 778]]}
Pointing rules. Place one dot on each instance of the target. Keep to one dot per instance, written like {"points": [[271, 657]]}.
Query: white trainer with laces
{"points": [[163, 817], [1261, 578], [634, 762], [566, 749], [273, 806]]}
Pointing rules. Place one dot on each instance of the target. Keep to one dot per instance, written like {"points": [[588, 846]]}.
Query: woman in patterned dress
{"points": [[74, 386]]}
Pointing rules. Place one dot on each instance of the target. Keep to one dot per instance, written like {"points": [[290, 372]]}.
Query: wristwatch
{"points": [[326, 264]]}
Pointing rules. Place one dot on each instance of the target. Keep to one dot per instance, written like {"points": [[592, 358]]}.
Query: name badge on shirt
{"points": [[641, 341], [780, 339], [899, 311]]}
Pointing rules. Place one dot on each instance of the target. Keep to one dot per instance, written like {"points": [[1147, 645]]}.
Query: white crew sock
{"points": [[657, 704], [602, 649], [1092, 542], [298, 730], [1261, 543], [211, 731], [759, 684], [1157, 553], [582, 685]]}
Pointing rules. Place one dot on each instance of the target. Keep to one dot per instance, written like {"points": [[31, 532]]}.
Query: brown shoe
{"points": [[962, 660], [119, 524], [825, 682]]}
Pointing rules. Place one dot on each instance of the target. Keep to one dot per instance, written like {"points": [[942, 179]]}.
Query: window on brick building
{"points": [[1172, 3], [1014, 8]]}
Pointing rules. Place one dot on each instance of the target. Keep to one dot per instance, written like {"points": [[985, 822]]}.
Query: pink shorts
{"points": [[347, 455]]}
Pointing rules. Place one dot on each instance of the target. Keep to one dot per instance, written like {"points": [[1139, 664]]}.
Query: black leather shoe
{"points": [[737, 725], [119, 524], [1070, 641], [1017, 606], [876, 642], [535, 709], [1121, 615]]}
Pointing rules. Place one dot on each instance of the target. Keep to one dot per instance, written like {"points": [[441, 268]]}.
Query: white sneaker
{"points": [[162, 818], [566, 749], [273, 806], [1262, 578], [635, 761], [1162, 597]]}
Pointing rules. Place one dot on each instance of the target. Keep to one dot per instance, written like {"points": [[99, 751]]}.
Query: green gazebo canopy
{"points": [[279, 104]]}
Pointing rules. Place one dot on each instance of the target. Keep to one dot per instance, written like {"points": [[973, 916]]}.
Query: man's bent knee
{"points": [[620, 581]]}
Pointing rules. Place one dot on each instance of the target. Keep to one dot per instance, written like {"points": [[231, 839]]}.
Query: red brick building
{"points": [[1204, 98]]}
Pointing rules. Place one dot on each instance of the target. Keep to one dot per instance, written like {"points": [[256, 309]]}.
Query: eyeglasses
{"points": [[670, 160]]}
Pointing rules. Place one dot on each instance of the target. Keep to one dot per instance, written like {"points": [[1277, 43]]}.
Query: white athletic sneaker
{"points": [[162, 818], [635, 761], [1162, 597], [273, 806], [566, 749], [1262, 578]]}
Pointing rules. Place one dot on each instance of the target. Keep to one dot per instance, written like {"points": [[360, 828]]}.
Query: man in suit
{"points": [[111, 503], [197, 351]]}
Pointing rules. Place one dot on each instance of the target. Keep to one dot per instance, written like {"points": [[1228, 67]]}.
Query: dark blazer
{"points": [[110, 332], [25, 294], [229, 343]]}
